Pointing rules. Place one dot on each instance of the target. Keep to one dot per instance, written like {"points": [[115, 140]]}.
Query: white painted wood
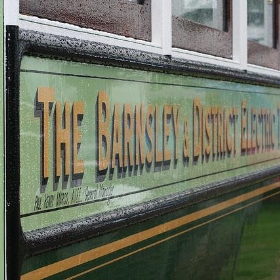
{"points": [[204, 58], [263, 70], [64, 29], [11, 12], [239, 26], [162, 25], [161, 37]]}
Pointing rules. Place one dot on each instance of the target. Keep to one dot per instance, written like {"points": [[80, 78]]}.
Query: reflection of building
{"points": [[203, 4], [260, 19], [206, 12], [192, 6], [255, 17]]}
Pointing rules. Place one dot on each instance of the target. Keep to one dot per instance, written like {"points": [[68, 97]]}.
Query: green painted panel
{"points": [[240, 242], [258, 256], [194, 132]]}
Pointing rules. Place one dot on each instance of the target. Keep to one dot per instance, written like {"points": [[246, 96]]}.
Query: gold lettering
{"points": [[208, 131], [267, 129], [45, 96], [186, 139], [263, 128], [78, 110], [244, 125], [254, 128], [103, 130], [220, 131], [259, 130], [272, 125], [235, 115], [62, 137], [228, 138], [214, 112], [159, 154], [117, 138], [149, 120], [128, 133], [197, 127], [176, 121], [139, 135], [167, 110]]}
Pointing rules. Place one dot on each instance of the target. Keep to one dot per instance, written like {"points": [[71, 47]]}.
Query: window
{"points": [[262, 30], [210, 31], [260, 22], [122, 17], [206, 12], [202, 26]]}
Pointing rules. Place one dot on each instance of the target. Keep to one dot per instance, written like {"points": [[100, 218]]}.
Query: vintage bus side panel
{"points": [[239, 238], [190, 216], [196, 228]]}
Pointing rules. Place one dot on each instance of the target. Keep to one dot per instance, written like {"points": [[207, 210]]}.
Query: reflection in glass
{"points": [[207, 12], [260, 21]]}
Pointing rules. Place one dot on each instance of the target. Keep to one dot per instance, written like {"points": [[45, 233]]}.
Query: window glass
{"points": [[263, 33], [203, 26], [260, 21], [207, 12], [122, 17]]}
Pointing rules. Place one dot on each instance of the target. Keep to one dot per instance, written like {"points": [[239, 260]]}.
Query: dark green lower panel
{"points": [[239, 242], [259, 252]]}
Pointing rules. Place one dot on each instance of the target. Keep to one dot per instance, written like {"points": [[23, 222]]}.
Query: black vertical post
{"points": [[12, 156]]}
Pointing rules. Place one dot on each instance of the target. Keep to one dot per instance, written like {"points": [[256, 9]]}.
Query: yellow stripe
{"points": [[104, 250], [167, 238]]}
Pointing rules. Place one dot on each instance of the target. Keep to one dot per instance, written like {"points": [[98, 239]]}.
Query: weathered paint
{"points": [[244, 129]]}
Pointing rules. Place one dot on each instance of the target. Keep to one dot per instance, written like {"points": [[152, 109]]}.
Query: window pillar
{"points": [[162, 25]]}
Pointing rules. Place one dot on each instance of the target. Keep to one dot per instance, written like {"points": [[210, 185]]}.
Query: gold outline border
{"points": [[104, 250]]}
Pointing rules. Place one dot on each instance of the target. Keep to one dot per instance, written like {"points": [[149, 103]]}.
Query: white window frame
{"points": [[161, 42]]}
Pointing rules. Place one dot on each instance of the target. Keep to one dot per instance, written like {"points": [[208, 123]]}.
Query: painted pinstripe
{"points": [[104, 250]]}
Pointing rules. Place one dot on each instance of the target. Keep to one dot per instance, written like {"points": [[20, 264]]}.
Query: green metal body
{"points": [[196, 132], [239, 242], [172, 99]]}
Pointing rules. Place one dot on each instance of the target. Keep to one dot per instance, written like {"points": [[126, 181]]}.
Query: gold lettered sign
{"points": [[96, 138]]}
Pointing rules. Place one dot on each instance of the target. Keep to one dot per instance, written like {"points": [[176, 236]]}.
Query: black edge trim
{"points": [[14, 236], [60, 47]]}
